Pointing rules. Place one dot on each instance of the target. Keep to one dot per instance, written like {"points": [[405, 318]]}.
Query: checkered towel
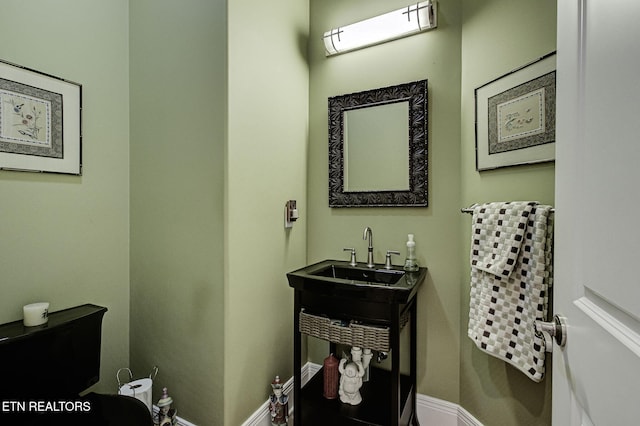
{"points": [[511, 275]]}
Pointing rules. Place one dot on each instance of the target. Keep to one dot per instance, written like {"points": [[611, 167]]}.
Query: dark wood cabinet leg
{"points": [[413, 359], [396, 404], [297, 354]]}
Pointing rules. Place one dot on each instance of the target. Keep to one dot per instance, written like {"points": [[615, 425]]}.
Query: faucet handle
{"points": [[353, 261], [387, 263]]}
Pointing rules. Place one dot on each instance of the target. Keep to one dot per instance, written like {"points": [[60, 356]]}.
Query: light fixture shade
{"points": [[412, 19]]}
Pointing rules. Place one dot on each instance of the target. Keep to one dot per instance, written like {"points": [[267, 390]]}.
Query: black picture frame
{"points": [[415, 93], [40, 121], [515, 116]]}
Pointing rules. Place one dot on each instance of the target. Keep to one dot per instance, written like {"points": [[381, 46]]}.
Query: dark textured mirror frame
{"points": [[416, 94]]}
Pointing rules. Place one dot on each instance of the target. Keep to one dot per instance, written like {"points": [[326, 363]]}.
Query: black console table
{"points": [[389, 397]]}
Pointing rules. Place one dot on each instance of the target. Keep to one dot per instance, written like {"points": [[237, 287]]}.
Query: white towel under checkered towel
{"points": [[511, 275]]}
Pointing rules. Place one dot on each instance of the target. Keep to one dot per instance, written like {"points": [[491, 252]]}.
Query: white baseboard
{"points": [[261, 416], [430, 411], [466, 419], [180, 421], [434, 411]]}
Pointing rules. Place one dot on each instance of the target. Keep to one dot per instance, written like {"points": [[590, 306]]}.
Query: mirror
{"points": [[377, 139], [378, 147]]}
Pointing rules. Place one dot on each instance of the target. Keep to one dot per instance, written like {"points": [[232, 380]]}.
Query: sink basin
{"points": [[336, 278], [354, 273]]}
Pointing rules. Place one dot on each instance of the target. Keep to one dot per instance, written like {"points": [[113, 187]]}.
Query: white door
{"points": [[596, 377]]}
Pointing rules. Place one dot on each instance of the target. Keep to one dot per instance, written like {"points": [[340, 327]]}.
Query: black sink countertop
{"points": [[310, 279]]}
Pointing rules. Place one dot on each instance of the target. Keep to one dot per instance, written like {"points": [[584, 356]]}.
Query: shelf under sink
{"points": [[375, 408]]}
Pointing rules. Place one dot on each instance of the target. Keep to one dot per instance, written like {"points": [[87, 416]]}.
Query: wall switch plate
{"points": [[290, 213]]}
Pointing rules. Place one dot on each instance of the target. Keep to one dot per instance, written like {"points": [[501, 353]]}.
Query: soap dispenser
{"points": [[411, 265]]}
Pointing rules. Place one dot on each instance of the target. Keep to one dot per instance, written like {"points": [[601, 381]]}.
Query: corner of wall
{"points": [[499, 36]]}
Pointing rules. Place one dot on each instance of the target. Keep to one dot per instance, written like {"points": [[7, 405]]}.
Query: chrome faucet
{"points": [[368, 233]]}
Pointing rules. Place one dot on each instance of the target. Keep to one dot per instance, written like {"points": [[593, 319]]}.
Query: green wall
{"points": [[435, 56], [218, 145], [178, 110], [65, 239], [217, 127], [266, 163], [474, 43], [498, 36]]}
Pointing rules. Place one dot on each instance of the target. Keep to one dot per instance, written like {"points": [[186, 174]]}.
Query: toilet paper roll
{"points": [[35, 314], [139, 389]]}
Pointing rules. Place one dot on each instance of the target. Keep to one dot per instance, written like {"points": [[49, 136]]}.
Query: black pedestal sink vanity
{"points": [[357, 306]]}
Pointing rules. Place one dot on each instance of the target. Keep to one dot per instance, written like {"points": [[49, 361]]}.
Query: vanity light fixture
{"points": [[409, 20]]}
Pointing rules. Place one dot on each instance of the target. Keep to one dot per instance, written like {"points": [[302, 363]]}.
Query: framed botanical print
{"points": [[40, 121], [515, 116]]}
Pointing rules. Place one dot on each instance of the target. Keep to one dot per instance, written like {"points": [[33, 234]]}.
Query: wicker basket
{"points": [[352, 334]]}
